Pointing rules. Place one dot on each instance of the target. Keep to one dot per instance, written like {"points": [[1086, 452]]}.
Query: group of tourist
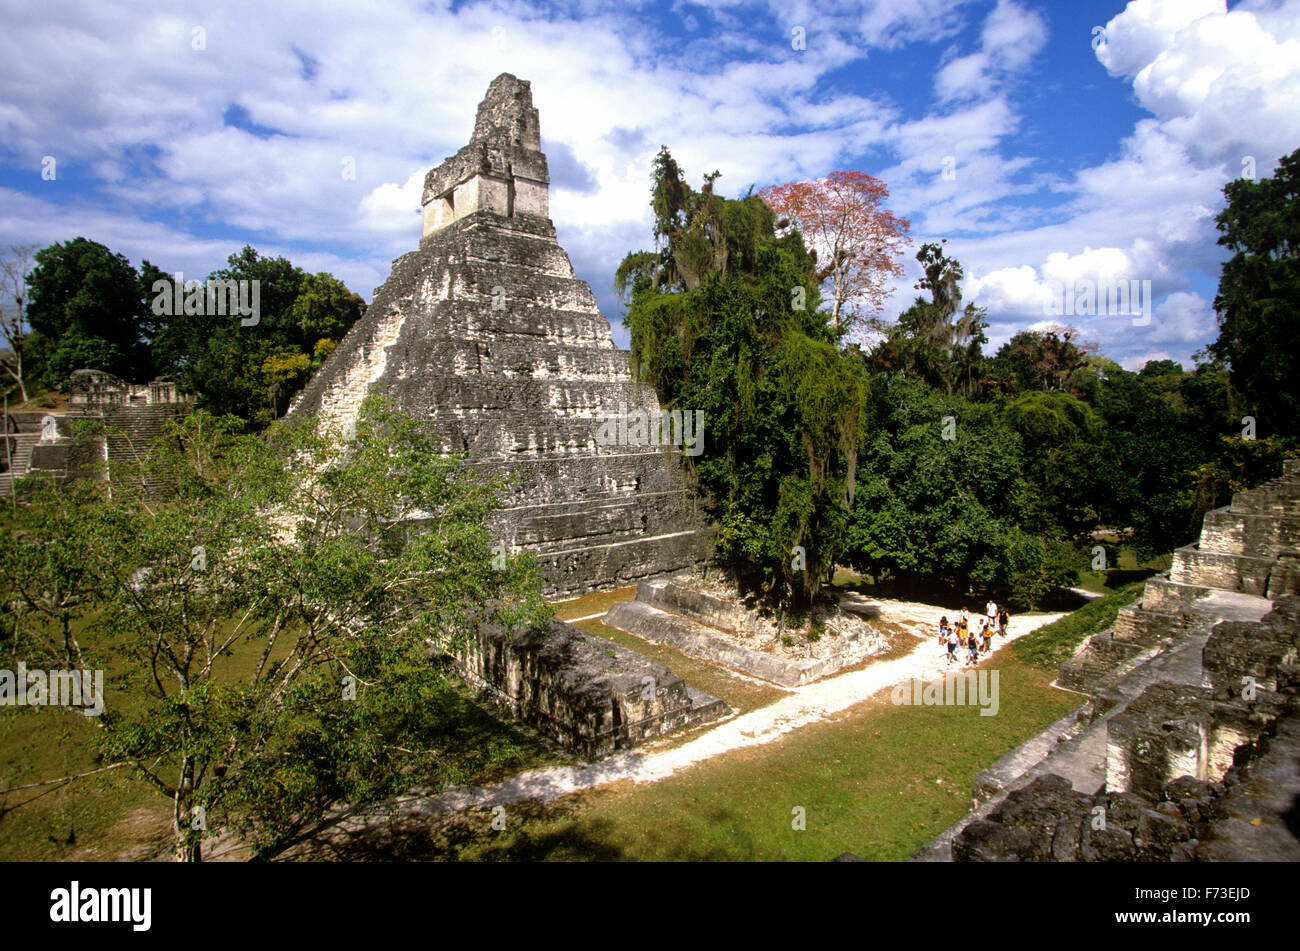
{"points": [[962, 633]]}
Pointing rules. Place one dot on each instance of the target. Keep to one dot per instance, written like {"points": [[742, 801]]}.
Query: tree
{"points": [[937, 340], [1148, 451], [15, 263], [324, 309], [85, 304], [860, 242], [253, 371], [723, 319], [1045, 359], [1061, 436], [269, 614], [934, 508], [1259, 293]]}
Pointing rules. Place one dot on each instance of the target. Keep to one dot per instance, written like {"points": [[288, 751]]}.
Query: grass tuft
{"points": [[1053, 644]]}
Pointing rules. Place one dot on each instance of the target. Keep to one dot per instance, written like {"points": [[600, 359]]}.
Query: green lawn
{"points": [[1053, 644]]}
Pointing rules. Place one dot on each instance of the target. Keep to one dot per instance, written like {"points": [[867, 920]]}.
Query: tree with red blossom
{"points": [[859, 242]]}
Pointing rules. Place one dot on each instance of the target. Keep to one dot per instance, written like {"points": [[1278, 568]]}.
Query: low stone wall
{"points": [[587, 694], [697, 640], [685, 600]]}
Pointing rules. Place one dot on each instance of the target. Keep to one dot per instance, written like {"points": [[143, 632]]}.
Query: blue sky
{"points": [[181, 131]]}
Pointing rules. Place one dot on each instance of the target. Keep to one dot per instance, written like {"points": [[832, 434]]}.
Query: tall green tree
{"points": [[1045, 359], [252, 370], [723, 318], [86, 309], [942, 495], [937, 340], [1259, 294], [267, 614]]}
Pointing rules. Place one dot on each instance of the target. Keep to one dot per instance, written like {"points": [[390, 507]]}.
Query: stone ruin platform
{"points": [[589, 695], [712, 628], [1193, 773], [1187, 743]]}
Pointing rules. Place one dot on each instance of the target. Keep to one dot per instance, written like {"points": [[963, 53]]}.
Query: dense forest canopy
{"points": [[924, 458]]}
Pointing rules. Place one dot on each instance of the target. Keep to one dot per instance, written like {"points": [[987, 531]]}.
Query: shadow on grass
{"points": [[1063, 601], [922, 590], [534, 832], [1117, 578]]}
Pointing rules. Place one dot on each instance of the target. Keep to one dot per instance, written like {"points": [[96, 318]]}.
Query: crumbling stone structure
{"points": [[670, 611], [485, 333], [589, 695], [134, 416], [1188, 747], [1193, 773]]}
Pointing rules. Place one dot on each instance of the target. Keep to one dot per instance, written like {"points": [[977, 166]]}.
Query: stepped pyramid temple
{"points": [[1188, 745], [485, 333]]}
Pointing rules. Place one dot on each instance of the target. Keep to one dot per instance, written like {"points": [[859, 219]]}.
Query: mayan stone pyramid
{"points": [[485, 333]]}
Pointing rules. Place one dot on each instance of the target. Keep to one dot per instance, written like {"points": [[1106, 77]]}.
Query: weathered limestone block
{"points": [[1255, 820], [1228, 572], [587, 694], [1025, 827], [1239, 655], [676, 615], [683, 599], [691, 637], [1137, 630], [1284, 579], [1048, 821], [1164, 596], [1164, 734], [1276, 497], [1173, 730], [1239, 533]]}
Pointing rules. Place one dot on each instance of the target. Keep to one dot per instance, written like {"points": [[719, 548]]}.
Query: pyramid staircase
{"points": [[1247, 556]]}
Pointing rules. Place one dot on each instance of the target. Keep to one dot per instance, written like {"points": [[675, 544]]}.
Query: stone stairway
{"points": [[1248, 555], [20, 461], [132, 431], [1164, 687]]}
